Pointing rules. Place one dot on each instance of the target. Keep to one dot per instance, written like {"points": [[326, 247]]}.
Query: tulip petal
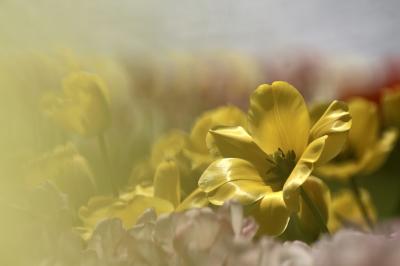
{"points": [[234, 142], [301, 172], [278, 118], [167, 182], [223, 116], [335, 123], [320, 195], [272, 214], [102, 208], [243, 191], [225, 170], [197, 199], [364, 116]]}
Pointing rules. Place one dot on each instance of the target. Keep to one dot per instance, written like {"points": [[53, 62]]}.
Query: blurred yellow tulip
{"points": [[128, 207], [83, 107], [68, 169], [367, 147], [345, 211]]}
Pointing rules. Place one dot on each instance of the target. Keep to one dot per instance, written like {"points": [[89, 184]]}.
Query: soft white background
{"points": [[365, 28]]}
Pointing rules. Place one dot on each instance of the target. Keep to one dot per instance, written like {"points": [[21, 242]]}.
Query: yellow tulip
{"points": [[391, 107], [168, 146], [68, 169], [163, 197], [167, 184], [345, 211], [367, 148], [128, 209], [84, 106], [267, 168]]}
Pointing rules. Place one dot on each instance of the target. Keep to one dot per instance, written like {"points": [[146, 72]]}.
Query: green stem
{"points": [[104, 151], [357, 196], [316, 213]]}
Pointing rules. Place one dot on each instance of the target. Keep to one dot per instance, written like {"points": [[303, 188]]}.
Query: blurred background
{"points": [[165, 62]]}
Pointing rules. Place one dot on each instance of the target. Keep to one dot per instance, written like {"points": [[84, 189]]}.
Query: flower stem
{"points": [[316, 213], [104, 151], [357, 196]]}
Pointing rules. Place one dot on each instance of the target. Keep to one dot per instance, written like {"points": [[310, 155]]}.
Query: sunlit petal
{"points": [[225, 170], [278, 118], [244, 191], [235, 142], [335, 123]]}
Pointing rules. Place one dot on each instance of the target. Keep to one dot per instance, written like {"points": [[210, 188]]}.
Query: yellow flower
{"points": [[65, 167], [266, 169], [391, 107], [345, 211], [84, 106], [168, 146], [164, 196], [366, 149], [128, 208]]}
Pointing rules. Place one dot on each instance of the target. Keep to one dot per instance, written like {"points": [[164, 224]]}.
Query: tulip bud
{"points": [[84, 106]]}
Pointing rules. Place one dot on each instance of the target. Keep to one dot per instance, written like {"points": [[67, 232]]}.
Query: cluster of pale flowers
{"points": [[204, 236]]}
